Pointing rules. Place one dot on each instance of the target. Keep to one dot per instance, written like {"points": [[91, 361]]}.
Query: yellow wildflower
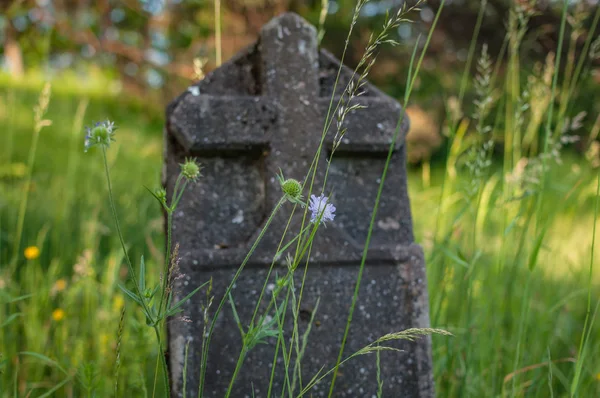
{"points": [[598, 376], [58, 314], [32, 252]]}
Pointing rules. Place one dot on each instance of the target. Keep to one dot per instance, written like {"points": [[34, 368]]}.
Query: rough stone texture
{"points": [[262, 111]]}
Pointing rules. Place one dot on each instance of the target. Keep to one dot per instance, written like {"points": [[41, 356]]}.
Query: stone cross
{"points": [[261, 112]]}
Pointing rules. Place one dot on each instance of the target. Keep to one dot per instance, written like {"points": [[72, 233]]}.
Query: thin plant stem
{"points": [[580, 353], [295, 332], [470, 56], [278, 251], [120, 235], [156, 366], [40, 110], [376, 206], [168, 259], [238, 366], [218, 49], [582, 58], [280, 341], [328, 118], [548, 127], [163, 361], [226, 295], [131, 269], [547, 137]]}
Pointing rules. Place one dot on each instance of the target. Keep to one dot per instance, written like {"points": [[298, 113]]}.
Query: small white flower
{"points": [[320, 209]]}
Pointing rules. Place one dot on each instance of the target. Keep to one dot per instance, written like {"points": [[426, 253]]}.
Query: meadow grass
{"points": [[510, 266]]}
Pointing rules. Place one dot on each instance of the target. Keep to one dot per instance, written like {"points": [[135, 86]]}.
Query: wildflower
{"points": [[59, 286], [101, 134], [58, 314], [83, 267], [291, 188], [321, 210], [31, 252], [190, 169]]}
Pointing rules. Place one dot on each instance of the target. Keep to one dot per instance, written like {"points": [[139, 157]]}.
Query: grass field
{"points": [[517, 328]]}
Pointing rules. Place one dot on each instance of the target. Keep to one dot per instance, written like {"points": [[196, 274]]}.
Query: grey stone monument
{"points": [[263, 111]]}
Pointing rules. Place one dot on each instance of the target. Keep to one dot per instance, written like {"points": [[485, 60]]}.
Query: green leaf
{"points": [[172, 310], [56, 387], [455, 257], [11, 318], [131, 294], [536, 248], [19, 298], [44, 358], [236, 316], [142, 275]]}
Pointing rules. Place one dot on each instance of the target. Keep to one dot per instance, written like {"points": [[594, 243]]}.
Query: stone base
{"points": [[393, 297]]}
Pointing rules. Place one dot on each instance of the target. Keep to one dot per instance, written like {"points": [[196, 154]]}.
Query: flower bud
{"points": [[190, 169], [102, 133]]}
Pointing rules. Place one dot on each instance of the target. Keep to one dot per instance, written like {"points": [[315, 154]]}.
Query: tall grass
{"points": [[520, 204], [509, 241]]}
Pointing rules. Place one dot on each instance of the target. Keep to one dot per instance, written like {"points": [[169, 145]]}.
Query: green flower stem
{"points": [[278, 253], [131, 269], [295, 332], [412, 79], [177, 193], [226, 295], [166, 273], [244, 350], [121, 239], [280, 341], [238, 366], [163, 360], [328, 118]]}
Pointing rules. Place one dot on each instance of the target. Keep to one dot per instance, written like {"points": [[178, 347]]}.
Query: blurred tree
{"points": [[149, 43]]}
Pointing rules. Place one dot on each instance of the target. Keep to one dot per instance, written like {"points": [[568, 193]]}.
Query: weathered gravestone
{"points": [[262, 111]]}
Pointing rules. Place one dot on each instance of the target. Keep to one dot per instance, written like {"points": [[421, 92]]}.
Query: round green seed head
{"points": [[292, 188], [101, 134], [190, 169]]}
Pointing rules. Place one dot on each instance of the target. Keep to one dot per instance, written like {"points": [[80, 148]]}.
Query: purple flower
{"points": [[321, 210]]}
